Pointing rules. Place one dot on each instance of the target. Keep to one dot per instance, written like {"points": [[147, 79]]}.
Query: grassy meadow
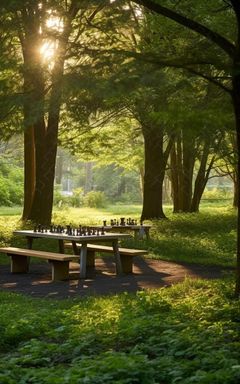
{"points": [[185, 334]]}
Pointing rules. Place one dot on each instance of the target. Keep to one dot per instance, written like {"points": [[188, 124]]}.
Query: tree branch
{"points": [[215, 37]]}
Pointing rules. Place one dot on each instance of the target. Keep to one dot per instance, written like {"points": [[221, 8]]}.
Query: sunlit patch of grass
{"points": [[95, 216], [204, 238], [161, 336]]}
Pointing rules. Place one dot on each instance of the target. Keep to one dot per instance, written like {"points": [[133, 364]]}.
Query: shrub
{"points": [[95, 199], [59, 200], [4, 193], [76, 200], [217, 193]]}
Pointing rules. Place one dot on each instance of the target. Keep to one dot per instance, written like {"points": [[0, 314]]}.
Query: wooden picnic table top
{"points": [[65, 236]]}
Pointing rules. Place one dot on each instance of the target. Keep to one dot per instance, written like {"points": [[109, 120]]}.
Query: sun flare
{"points": [[48, 50], [49, 46]]}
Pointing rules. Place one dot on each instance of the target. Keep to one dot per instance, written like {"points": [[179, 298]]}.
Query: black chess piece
{"points": [[104, 223], [89, 231], [102, 231], [79, 230], [122, 221]]}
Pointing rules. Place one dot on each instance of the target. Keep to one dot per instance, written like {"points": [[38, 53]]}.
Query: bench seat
{"points": [[126, 254], [20, 261]]}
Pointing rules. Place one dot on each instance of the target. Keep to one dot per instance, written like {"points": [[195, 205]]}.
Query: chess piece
{"points": [[104, 223]]}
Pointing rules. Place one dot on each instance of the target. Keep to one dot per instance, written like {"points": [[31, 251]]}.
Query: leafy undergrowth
{"points": [[188, 333], [208, 237]]}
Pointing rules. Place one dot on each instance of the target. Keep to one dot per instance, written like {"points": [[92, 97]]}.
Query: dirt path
{"points": [[147, 274]]}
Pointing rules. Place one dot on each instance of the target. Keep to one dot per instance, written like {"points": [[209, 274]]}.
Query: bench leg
{"points": [[126, 263], [19, 264], [117, 257], [60, 270]]}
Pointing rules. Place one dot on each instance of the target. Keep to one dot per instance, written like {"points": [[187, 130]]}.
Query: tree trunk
{"points": [[235, 191], [46, 151], [175, 180], [33, 110], [29, 171], [201, 179], [236, 105], [187, 166], [36, 83], [153, 174], [182, 163], [141, 180], [59, 168]]}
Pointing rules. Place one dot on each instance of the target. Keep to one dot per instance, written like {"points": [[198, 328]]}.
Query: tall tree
{"points": [[46, 31], [228, 46]]}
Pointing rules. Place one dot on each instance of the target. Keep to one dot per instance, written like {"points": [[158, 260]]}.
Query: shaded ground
{"points": [[147, 274]]}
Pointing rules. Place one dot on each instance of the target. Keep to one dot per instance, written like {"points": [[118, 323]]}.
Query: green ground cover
{"points": [[188, 333], [185, 334]]}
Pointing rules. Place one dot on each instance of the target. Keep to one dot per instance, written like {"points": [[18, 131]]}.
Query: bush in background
{"points": [[95, 199], [77, 198], [217, 194]]}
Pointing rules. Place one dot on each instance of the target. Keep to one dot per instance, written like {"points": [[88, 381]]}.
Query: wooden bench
{"points": [[20, 261], [126, 254]]}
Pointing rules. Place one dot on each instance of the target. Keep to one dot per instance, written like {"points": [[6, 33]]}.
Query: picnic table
{"points": [[83, 240]]}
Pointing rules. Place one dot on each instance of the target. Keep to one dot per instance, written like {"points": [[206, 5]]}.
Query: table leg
{"points": [[83, 261], [29, 245], [61, 246], [117, 257], [75, 248], [29, 242]]}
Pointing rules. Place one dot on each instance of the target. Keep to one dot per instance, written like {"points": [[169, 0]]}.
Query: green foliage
{"points": [[207, 238], [11, 192], [77, 198], [217, 193], [4, 192], [95, 199], [11, 182], [186, 334]]}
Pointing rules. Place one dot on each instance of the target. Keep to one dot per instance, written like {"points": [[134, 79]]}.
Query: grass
{"points": [[185, 334]]}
